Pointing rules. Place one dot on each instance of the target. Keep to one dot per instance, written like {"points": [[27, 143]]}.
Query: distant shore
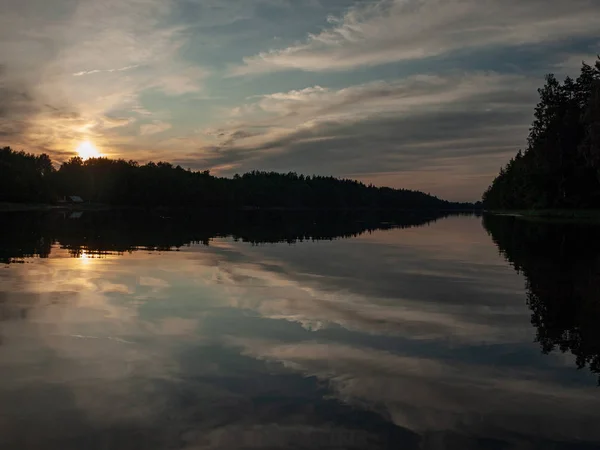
{"points": [[24, 207], [587, 215]]}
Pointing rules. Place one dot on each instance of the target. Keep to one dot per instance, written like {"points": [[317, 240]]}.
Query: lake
{"points": [[131, 330]]}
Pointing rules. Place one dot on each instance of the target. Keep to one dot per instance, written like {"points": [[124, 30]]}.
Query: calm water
{"points": [[123, 331]]}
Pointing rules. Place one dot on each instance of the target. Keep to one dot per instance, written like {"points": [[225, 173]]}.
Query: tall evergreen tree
{"points": [[561, 166]]}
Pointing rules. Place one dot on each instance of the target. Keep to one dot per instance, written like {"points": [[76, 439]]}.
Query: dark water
{"points": [[270, 331]]}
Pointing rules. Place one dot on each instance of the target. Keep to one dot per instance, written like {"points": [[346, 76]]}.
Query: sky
{"points": [[434, 95]]}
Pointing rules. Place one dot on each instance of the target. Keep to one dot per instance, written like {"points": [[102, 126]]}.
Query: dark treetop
{"points": [[560, 167], [32, 178]]}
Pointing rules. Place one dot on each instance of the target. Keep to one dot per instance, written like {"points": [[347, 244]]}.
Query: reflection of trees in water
{"points": [[561, 263], [24, 235]]}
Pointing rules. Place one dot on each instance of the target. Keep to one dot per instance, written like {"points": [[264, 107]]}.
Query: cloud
{"points": [[16, 107], [398, 30], [424, 122], [96, 60], [227, 137], [409, 96], [182, 81], [571, 62], [113, 122], [154, 128], [91, 72]]}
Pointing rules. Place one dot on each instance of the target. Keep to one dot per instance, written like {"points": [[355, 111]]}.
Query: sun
{"points": [[87, 150]]}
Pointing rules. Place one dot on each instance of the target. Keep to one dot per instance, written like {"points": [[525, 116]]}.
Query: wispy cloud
{"points": [[397, 30], [109, 54], [91, 72], [154, 128], [113, 122], [405, 126]]}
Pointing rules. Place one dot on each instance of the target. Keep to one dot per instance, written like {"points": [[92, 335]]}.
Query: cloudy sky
{"points": [[426, 94]]}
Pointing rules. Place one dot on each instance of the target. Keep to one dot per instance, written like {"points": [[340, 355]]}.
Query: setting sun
{"points": [[87, 150]]}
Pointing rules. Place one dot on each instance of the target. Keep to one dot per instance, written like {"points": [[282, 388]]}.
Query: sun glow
{"points": [[85, 258], [87, 150]]}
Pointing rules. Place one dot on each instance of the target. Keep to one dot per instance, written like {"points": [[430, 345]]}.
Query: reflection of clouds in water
{"points": [[121, 360], [377, 290], [151, 288], [111, 338], [176, 326], [429, 395], [107, 286], [314, 310], [269, 436], [153, 282], [56, 294], [105, 382], [80, 333]]}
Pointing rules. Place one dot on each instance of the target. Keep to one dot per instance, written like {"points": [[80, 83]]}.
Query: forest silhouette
{"points": [[560, 167], [33, 178], [561, 265]]}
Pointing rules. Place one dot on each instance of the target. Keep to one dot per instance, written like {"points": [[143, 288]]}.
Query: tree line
{"points": [[27, 177], [560, 168]]}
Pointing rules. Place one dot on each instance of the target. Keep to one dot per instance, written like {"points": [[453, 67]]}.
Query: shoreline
{"points": [[47, 207], [43, 207], [567, 215]]}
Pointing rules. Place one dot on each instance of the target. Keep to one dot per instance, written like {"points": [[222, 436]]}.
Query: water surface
{"points": [[269, 331]]}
